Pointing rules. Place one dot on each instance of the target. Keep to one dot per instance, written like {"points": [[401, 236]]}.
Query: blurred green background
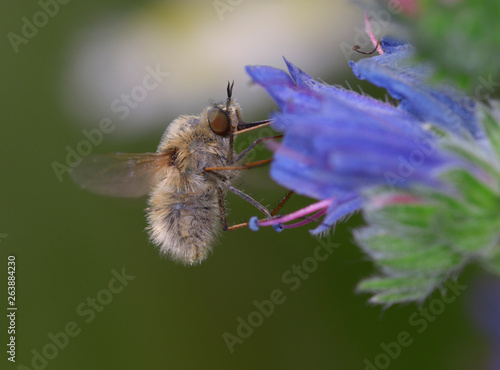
{"points": [[67, 242]]}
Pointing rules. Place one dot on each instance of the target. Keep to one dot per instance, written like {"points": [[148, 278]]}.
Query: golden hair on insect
{"points": [[187, 179]]}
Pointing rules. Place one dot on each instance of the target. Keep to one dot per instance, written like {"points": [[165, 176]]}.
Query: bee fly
{"points": [[186, 179]]}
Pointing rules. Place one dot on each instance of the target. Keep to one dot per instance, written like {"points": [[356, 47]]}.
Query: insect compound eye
{"points": [[218, 121]]}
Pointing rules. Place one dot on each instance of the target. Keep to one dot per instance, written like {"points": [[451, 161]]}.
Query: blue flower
{"points": [[338, 143], [424, 169], [408, 82]]}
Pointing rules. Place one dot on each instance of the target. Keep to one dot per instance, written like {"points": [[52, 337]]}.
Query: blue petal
{"points": [[288, 96], [342, 207], [440, 104], [321, 155], [338, 143], [305, 95]]}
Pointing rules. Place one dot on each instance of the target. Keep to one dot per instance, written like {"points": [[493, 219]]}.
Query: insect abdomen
{"points": [[183, 225]]}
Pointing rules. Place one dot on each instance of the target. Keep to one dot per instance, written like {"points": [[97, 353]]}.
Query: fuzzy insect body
{"points": [[186, 199], [183, 213]]}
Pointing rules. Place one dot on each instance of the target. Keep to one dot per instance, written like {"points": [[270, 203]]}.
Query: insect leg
{"points": [[245, 166], [241, 128], [282, 203], [251, 146], [229, 157], [238, 226], [250, 200], [273, 213], [222, 209]]}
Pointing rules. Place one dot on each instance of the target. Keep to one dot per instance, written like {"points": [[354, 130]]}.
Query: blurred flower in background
{"points": [[195, 47]]}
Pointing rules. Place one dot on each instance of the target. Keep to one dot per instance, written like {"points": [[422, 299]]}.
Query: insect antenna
{"points": [[229, 93]]}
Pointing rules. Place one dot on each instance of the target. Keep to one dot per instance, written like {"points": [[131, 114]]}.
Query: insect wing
{"points": [[120, 174]]}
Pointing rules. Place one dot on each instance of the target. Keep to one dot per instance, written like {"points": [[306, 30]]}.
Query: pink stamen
{"points": [[369, 31], [321, 205], [304, 222]]}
